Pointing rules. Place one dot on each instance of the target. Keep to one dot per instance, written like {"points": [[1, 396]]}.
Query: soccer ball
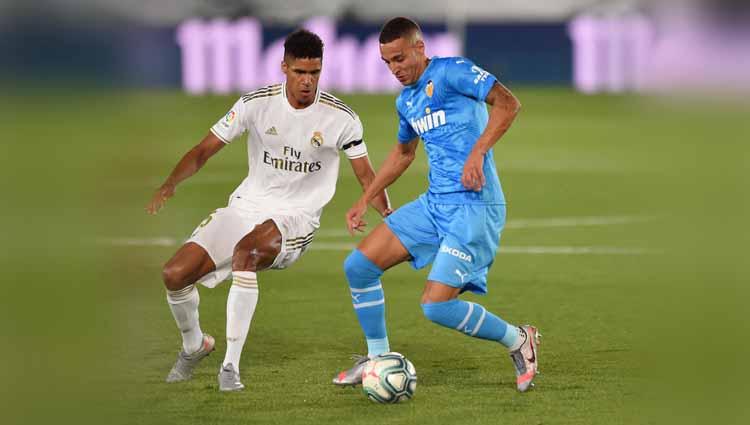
{"points": [[389, 378]]}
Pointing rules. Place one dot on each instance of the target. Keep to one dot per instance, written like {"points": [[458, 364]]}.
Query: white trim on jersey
{"points": [[216, 133]]}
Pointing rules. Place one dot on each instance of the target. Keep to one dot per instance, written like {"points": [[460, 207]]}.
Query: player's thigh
{"points": [[186, 266], [383, 248], [258, 249], [414, 229], [468, 251], [218, 235]]}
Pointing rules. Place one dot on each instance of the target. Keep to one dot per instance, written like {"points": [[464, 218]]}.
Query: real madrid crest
{"points": [[317, 139], [429, 88]]}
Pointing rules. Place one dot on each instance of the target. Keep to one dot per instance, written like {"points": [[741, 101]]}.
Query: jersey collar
{"points": [[423, 77]]}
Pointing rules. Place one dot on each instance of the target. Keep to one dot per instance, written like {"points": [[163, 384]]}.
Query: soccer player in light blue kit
{"points": [[456, 224]]}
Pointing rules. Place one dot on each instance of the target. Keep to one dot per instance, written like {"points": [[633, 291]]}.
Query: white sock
{"points": [[184, 305], [243, 297]]}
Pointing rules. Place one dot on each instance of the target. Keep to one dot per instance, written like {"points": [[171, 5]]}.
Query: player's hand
{"points": [[354, 221], [473, 175], [160, 197]]}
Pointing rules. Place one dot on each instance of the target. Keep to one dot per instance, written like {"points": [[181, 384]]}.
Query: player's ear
{"points": [[419, 46], [284, 67]]}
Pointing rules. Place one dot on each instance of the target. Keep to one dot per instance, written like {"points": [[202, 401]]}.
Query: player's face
{"points": [[405, 58], [302, 75]]}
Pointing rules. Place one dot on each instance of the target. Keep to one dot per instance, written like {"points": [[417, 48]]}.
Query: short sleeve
{"points": [[468, 79], [405, 131], [233, 124], [351, 139]]}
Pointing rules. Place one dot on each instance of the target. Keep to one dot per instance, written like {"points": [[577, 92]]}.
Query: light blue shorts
{"points": [[460, 240]]}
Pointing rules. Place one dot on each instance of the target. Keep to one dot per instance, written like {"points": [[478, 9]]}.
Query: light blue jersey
{"points": [[453, 228], [446, 108]]}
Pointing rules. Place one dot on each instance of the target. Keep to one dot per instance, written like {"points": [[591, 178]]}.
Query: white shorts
{"points": [[224, 228]]}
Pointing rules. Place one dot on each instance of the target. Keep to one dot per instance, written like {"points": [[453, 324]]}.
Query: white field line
{"points": [[575, 221], [160, 241], [348, 246], [512, 224], [530, 223]]}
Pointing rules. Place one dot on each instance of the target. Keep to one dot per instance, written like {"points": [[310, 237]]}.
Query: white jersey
{"points": [[293, 154]]}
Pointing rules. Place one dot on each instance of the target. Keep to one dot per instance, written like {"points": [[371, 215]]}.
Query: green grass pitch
{"points": [[583, 206]]}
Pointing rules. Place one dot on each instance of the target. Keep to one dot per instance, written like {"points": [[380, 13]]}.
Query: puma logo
{"points": [[461, 275]]}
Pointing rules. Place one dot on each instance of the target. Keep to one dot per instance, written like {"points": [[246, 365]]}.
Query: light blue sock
{"points": [[471, 319], [368, 300], [510, 337]]}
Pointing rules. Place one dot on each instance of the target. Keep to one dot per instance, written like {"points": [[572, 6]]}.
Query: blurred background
{"points": [[634, 132], [204, 46]]}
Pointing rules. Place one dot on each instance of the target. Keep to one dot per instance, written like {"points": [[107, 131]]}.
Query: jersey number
{"points": [[481, 74], [203, 224]]}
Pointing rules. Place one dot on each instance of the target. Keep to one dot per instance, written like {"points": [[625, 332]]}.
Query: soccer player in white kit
{"points": [[295, 133]]}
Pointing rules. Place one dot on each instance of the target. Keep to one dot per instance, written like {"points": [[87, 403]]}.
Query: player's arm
{"points": [[399, 159], [505, 107], [190, 163], [366, 174]]}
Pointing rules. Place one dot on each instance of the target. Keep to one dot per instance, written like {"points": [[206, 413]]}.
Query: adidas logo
{"points": [[272, 131]]}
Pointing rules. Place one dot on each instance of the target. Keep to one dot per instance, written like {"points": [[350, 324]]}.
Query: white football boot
{"points": [[525, 358]]}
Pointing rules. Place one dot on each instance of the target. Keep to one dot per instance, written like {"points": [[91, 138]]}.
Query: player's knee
{"points": [[258, 249], [357, 267], [430, 312], [246, 260], [175, 276], [248, 256], [350, 265]]}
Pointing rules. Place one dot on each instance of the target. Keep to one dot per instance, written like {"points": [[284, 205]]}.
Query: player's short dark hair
{"points": [[303, 44], [397, 28]]}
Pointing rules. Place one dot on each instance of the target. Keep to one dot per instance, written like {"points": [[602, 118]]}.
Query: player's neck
{"points": [[422, 69], [296, 104]]}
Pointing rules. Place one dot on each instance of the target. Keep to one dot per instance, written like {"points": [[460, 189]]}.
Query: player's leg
{"points": [[180, 274], [379, 251], [187, 265], [461, 264], [440, 304], [205, 258], [254, 252], [407, 234], [466, 252]]}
